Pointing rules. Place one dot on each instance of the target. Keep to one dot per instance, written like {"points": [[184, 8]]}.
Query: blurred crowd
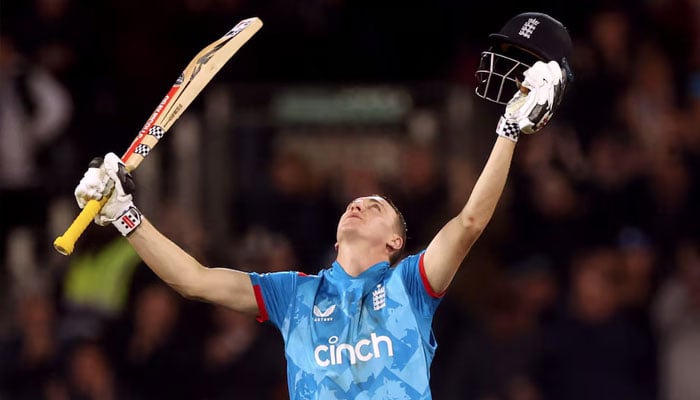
{"points": [[586, 285]]}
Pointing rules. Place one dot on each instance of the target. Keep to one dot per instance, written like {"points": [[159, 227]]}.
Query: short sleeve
{"points": [[424, 299], [274, 293]]}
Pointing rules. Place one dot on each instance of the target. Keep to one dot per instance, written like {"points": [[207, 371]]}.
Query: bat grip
{"points": [[65, 243]]}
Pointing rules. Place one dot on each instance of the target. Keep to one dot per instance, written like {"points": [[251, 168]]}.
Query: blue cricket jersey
{"points": [[365, 337]]}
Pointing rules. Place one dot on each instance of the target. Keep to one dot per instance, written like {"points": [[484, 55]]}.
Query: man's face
{"points": [[370, 217]]}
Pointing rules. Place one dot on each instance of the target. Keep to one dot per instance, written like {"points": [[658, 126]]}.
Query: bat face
{"points": [[201, 69]]}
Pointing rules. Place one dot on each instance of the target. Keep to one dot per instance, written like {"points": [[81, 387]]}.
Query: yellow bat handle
{"points": [[65, 243]]}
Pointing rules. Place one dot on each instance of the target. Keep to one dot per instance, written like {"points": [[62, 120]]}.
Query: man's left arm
{"points": [[527, 112], [448, 248]]}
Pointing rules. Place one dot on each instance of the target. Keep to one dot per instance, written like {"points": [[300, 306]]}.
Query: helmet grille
{"points": [[498, 76]]}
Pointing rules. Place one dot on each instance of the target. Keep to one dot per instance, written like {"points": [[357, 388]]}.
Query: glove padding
{"points": [[122, 197], [109, 177], [93, 185], [532, 107]]}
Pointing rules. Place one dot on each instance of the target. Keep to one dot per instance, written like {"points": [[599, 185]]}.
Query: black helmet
{"points": [[523, 40]]}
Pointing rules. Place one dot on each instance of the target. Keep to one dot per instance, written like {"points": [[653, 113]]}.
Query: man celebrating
{"points": [[361, 329]]}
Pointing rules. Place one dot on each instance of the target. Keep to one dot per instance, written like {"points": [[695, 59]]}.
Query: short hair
{"points": [[401, 229]]}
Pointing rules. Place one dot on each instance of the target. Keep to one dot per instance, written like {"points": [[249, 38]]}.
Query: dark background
{"points": [[586, 285]]}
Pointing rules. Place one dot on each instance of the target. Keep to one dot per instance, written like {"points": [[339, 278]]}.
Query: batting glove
{"points": [[533, 106], [109, 177], [93, 186]]}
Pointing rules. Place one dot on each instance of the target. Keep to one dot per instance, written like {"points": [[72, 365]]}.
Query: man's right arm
{"points": [[227, 287], [108, 177]]}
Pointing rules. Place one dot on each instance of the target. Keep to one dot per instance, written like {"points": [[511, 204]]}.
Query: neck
{"points": [[356, 258]]}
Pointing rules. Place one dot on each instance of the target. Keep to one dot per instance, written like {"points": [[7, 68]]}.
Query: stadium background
{"points": [[586, 285]]}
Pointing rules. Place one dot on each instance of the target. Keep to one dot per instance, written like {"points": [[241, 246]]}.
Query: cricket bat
{"points": [[200, 70]]}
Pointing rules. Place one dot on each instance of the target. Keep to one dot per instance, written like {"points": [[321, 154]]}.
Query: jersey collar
{"points": [[368, 279]]}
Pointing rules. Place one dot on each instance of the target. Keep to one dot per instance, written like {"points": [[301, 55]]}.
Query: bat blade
{"points": [[196, 75]]}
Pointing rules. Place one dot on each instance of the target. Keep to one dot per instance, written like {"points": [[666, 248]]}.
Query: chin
{"points": [[349, 232]]}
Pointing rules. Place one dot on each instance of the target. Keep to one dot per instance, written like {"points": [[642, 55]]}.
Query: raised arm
{"points": [[226, 287], [448, 248], [527, 112]]}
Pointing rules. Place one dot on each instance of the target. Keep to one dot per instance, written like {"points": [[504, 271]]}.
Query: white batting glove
{"points": [[531, 108], [110, 176], [93, 185]]}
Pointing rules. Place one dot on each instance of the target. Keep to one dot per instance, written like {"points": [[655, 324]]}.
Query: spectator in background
{"points": [[614, 186], [60, 42], [147, 352], [547, 197], [353, 180], [294, 202], [95, 285], [29, 358], [262, 250], [651, 109], [689, 138], [497, 354], [240, 359], [34, 111], [90, 376], [602, 65], [677, 22], [648, 106], [495, 358], [534, 282], [421, 192], [638, 259], [671, 200], [552, 207], [676, 315], [592, 349]]}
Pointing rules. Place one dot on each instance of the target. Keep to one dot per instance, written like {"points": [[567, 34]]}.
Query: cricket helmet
{"points": [[525, 39]]}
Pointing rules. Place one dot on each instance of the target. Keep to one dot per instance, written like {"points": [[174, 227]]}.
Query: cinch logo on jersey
{"points": [[364, 350]]}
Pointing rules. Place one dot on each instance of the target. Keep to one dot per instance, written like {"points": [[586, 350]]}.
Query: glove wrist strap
{"points": [[508, 129], [128, 221]]}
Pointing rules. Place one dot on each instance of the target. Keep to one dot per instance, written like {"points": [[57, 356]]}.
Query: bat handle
{"points": [[65, 243]]}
